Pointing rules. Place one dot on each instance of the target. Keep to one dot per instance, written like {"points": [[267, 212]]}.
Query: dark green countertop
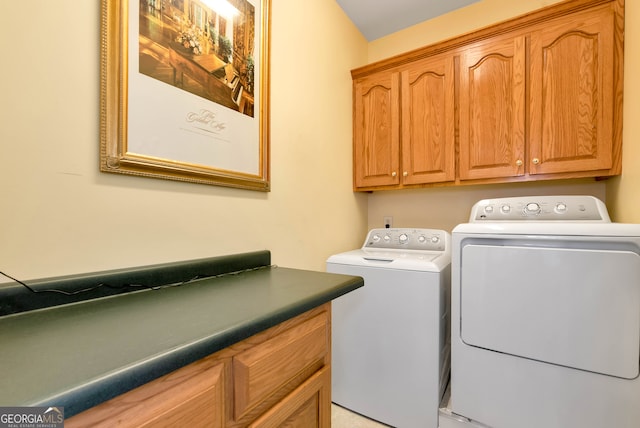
{"points": [[81, 354]]}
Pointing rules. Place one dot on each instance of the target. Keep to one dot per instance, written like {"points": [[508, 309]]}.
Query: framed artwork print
{"points": [[185, 90]]}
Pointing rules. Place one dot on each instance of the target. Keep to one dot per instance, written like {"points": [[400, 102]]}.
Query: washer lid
{"points": [[425, 261]]}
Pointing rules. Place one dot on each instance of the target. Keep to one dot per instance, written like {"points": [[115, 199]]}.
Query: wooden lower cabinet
{"points": [[191, 396], [280, 377], [309, 406]]}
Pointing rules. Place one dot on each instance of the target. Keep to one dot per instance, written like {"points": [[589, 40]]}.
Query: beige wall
{"points": [[446, 207], [461, 21], [443, 208], [60, 215], [623, 193]]}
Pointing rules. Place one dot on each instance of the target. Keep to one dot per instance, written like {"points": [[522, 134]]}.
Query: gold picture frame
{"points": [[190, 100]]}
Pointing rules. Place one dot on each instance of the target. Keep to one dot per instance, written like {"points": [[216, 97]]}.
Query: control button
{"points": [[403, 238], [488, 209], [532, 208], [561, 208], [506, 209]]}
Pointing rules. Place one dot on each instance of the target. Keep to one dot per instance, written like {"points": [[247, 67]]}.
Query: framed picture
{"points": [[185, 90]]}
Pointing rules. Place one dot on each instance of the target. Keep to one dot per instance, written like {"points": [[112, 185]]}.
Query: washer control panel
{"points": [[407, 239], [550, 208]]}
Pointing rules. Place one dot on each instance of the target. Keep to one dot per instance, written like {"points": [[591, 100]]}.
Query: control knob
{"points": [[403, 238], [532, 208]]}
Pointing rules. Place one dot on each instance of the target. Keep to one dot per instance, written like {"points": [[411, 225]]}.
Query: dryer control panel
{"points": [[407, 239], [541, 208]]}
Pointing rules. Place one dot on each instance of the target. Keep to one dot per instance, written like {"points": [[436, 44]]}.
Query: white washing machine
{"points": [[390, 350], [545, 315]]}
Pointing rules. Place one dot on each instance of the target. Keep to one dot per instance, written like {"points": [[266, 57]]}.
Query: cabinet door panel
{"points": [[309, 406], [492, 109], [263, 370], [572, 68], [428, 124], [376, 130]]}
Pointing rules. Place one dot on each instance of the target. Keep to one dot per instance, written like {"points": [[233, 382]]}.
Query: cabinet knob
{"points": [[393, 174], [519, 162], [405, 174], [536, 161]]}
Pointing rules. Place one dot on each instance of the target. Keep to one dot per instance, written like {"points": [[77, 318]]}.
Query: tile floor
{"points": [[343, 418]]}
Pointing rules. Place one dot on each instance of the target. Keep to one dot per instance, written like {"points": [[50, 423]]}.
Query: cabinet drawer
{"points": [[191, 396], [279, 364]]}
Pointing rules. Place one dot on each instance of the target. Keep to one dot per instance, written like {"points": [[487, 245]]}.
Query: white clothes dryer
{"points": [[390, 350], [545, 315]]}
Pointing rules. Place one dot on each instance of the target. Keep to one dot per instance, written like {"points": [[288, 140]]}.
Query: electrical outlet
{"points": [[387, 221]]}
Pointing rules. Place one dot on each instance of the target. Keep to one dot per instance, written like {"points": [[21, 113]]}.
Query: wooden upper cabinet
{"points": [[572, 94], [537, 97], [493, 108], [404, 125], [376, 130], [428, 122]]}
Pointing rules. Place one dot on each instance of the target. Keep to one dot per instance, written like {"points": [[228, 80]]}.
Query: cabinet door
{"points": [[572, 94], [376, 145], [428, 123], [492, 108], [309, 406]]}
